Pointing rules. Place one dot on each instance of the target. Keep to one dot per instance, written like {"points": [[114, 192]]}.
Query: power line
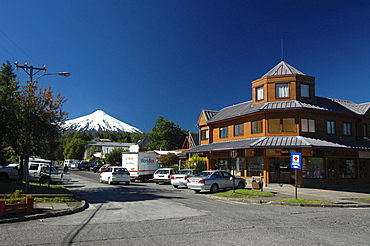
{"points": [[18, 47]]}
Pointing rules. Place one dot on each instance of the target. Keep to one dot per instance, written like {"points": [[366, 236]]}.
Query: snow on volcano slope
{"points": [[98, 121]]}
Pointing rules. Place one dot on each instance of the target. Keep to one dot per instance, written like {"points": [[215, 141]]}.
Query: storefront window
{"points": [[254, 166], [313, 168], [347, 169], [280, 171]]}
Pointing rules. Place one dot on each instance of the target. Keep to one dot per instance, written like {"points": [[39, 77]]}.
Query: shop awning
{"points": [[281, 142]]}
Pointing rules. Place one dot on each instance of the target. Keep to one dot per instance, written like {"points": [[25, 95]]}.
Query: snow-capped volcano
{"points": [[98, 121]]}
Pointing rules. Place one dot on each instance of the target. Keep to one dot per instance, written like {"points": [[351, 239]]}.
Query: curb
{"points": [[269, 202], [84, 206]]}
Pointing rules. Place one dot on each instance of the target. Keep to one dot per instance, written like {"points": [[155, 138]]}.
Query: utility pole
{"points": [[31, 71]]}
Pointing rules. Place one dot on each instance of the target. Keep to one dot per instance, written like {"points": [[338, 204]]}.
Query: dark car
{"points": [[96, 167], [85, 165]]}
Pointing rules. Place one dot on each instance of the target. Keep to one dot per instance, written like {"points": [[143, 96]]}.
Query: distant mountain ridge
{"points": [[99, 121]]}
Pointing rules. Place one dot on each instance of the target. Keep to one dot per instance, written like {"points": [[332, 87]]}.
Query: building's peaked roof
{"points": [[209, 113], [282, 68]]}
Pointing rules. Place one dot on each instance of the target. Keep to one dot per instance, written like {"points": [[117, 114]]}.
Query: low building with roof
{"points": [[285, 116]]}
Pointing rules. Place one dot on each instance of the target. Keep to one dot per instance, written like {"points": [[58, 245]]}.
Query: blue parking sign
{"points": [[296, 160]]}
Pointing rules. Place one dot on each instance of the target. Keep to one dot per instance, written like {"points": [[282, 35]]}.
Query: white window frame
{"points": [[282, 90], [259, 93]]}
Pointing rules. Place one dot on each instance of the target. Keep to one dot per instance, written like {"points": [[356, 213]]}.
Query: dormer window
{"points": [[282, 90], [305, 90], [259, 93]]}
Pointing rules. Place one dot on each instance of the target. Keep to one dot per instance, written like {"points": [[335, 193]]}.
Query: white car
{"points": [[180, 179], [115, 174], [163, 175], [212, 181]]}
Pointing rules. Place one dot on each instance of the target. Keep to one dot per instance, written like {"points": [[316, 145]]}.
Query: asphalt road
{"points": [[150, 214]]}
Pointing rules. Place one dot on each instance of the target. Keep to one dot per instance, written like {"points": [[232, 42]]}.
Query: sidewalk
{"points": [[46, 210], [337, 198]]}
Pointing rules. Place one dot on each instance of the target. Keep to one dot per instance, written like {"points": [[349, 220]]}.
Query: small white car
{"points": [[180, 179], [163, 175], [115, 174]]}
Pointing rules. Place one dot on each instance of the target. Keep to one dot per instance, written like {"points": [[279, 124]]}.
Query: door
{"points": [[364, 171], [332, 171]]}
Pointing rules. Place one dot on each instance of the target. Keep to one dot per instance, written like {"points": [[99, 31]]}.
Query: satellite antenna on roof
{"points": [[282, 50]]}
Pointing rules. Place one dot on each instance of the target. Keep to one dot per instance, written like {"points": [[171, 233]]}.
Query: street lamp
{"points": [[64, 74]]}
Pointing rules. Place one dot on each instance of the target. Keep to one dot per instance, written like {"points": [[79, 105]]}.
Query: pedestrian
{"points": [[277, 173], [65, 169]]}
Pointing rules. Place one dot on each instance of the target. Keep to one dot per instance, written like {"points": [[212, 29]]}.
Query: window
{"points": [[330, 127], [347, 168], [274, 125], [259, 93], [289, 125], [204, 134], [239, 130], [346, 129], [224, 132], [282, 90], [308, 125], [313, 168], [256, 126], [305, 90], [366, 130]]}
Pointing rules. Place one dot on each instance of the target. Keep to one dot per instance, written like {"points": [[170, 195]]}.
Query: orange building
{"points": [[286, 116]]}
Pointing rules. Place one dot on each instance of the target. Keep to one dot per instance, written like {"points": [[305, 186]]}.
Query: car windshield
{"points": [[162, 171], [121, 169], [204, 174], [186, 172]]}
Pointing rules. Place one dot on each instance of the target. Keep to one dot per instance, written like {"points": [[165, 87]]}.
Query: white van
{"points": [[71, 163]]}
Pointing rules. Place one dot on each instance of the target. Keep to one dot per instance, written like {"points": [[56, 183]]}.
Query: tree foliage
{"points": [[196, 162], [75, 149], [30, 116], [166, 135], [115, 156], [168, 160]]}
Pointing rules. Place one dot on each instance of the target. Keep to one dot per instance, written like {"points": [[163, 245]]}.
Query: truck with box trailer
{"points": [[141, 165]]}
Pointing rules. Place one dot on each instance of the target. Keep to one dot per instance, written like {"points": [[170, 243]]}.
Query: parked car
{"points": [[9, 172], [103, 168], [163, 175], [96, 167], [213, 181], [180, 179], [115, 175], [85, 165]]}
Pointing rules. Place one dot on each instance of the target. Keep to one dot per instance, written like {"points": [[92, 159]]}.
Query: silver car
{"points": [[214, 180]]}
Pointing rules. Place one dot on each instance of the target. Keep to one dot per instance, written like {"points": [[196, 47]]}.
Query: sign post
{"points": [[296, 163], [233, 155]]}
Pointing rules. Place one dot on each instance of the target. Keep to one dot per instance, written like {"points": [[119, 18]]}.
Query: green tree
{"points": [[75, 149], [115, 156], [31, 116], [196, 162], [168, 160], [166, 135]]}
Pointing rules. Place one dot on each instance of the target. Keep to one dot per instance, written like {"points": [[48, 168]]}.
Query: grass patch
{"points": [[34, 188], [244, 193], [303, 201]]}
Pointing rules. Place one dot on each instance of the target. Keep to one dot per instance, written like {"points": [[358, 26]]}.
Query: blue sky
{"points": [[139, 59]]}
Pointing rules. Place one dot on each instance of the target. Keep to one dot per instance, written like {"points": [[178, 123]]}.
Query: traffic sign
{"points": [[296, 161], [233, 154]]}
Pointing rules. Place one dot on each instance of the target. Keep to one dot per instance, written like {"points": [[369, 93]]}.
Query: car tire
{"points": [[214, 188], [127, 183], [175, 186], [157, 182], [197, 191], [241, 185]]}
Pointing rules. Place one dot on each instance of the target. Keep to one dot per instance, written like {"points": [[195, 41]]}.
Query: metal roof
{"points": [[322, 104], [282, 68], [281, 142]]}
